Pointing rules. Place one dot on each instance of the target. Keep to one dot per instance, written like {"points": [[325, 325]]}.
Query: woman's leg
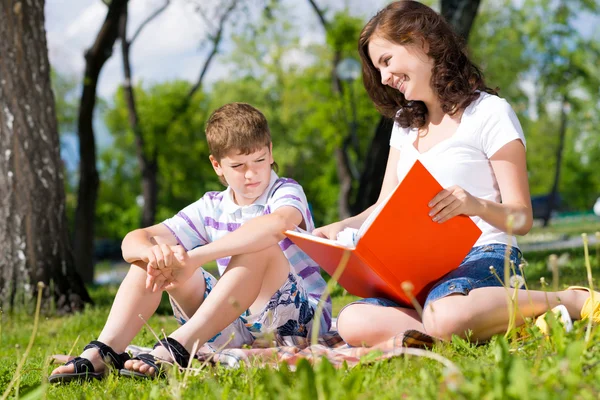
{"points": [[248, 283], [485, 311], [369, 324]]}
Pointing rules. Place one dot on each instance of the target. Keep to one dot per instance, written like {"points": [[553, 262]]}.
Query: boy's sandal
{"points": [[181, 358], [591, 308], [84, 369]]}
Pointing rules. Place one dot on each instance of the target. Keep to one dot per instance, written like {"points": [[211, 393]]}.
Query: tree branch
{"points": [[320, 14], [147, 20], [216, 40]]}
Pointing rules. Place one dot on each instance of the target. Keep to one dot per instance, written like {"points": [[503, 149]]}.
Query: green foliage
{"points": [[532, 50], [173, 132], [539, 57]]}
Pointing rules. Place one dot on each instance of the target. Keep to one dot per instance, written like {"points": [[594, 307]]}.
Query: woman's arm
{"points": [[390, 181], [510, 169]]}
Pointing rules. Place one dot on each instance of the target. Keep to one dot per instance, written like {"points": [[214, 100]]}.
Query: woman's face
{"points": [[404, 68]]}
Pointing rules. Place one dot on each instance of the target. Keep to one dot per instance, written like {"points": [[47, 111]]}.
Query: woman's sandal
{"points": [[84, 369], [180, 356]]}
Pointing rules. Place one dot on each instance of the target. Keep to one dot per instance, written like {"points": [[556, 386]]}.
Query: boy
{"points": [[267, 284]]}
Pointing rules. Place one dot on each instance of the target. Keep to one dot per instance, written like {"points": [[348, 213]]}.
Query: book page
{"points": [[307, 235]]}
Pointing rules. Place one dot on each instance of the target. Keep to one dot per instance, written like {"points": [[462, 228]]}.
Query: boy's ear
{"points": [[216, 165]]}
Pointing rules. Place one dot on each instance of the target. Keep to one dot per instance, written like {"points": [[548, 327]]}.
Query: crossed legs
{"points": [[484, 312]]}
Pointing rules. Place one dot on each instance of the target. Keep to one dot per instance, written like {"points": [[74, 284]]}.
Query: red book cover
{"points": [[399, 242]]}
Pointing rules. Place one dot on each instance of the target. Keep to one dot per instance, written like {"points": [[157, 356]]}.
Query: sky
{"points": [[169, 47]]}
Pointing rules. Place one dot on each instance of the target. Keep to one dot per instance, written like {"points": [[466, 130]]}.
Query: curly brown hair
{"points": [[455, 79]]}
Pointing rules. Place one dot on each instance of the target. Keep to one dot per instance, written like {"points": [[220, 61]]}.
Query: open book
{"points": [[398, 242]]}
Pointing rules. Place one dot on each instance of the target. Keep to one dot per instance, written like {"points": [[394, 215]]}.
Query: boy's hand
{"points": [[158, 256], [172, 274]]}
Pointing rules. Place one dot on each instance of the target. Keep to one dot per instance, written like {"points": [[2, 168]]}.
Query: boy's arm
{"points": [[140, 243], [254, 235]]}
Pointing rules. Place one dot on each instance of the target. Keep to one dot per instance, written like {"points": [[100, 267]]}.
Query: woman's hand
{"points": [[453, 201], [330, 231]]}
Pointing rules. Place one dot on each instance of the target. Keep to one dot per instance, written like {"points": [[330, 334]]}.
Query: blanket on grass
{"points": [[291, 349]]}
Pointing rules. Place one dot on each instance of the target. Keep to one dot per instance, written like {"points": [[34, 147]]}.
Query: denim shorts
{"points": [[474, 272]]}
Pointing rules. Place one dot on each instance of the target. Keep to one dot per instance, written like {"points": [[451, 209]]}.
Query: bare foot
{"points": [[574, 299]]}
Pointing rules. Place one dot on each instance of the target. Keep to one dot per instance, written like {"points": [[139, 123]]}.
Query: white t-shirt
{"points": [[487, 124]]}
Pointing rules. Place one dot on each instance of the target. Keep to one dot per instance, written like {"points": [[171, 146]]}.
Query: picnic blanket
{"points": [[291, 349]]}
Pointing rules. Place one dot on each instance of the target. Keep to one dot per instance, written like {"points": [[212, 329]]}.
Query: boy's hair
{"points": [[237, 127]]}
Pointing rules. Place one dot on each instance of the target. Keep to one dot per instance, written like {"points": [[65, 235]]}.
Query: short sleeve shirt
{"points": [[486, 126], [216, 214]]}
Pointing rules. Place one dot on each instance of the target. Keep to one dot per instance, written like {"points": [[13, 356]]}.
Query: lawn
{"points": [[562, 366]]}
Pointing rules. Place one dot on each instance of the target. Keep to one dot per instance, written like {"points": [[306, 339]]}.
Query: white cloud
{"points": [[170, 47]]}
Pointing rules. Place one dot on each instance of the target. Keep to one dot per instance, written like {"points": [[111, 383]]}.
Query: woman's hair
{"points": [[455, 79]]}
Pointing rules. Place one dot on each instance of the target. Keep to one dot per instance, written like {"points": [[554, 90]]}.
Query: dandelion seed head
{"points": [[453, 379], [517, 220], [407, 287], [516, 281]]}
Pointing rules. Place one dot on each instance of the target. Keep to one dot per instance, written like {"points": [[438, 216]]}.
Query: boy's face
{"points": [[247, 174]]}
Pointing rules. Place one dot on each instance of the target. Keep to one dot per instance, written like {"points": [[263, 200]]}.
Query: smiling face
{"points": [[248, 175], [404, 68]]}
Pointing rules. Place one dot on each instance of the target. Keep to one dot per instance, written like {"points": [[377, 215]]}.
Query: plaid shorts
{"points": [[288, 313]]}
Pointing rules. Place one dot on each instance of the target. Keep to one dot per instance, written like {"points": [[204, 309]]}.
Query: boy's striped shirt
{"points": [[215, 214]]}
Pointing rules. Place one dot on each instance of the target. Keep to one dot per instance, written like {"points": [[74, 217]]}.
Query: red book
{"points": [[399, 242]]}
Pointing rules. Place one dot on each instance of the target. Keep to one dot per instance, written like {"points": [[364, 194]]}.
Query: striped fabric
{"points": [[216, 214]]}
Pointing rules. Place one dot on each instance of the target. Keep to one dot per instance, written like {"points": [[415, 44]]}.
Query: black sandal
{"points": [[180, 354], [84, 370]]}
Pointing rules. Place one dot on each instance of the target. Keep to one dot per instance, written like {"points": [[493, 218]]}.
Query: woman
{"points": [[416, 71]]}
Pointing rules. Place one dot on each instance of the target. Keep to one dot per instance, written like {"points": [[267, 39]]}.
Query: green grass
{"points": [[562, 366], [569, 226]]}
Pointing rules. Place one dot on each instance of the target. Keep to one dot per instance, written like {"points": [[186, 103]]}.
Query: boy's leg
{"points": [[248, 283], [123, 321]]}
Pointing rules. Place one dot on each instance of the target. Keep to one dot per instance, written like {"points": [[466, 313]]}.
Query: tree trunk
{"points": [[148, 167], [87, 194], [344, 171], [371, 178], [552, 199], [460, 14], [33, 228]]}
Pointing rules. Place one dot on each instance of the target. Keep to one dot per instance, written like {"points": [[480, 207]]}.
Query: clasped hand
{"points": [[166, 266], [451, 202]]}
